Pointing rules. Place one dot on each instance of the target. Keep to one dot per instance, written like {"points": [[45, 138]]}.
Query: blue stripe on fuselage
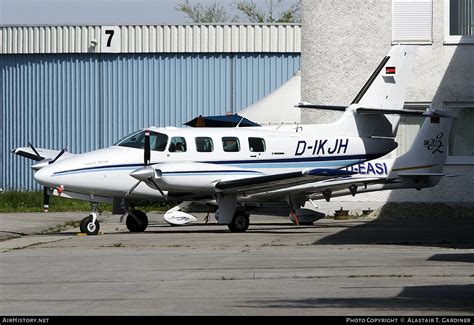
{"points": [[312, 162]]}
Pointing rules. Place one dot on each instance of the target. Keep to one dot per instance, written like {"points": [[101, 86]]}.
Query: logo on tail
{"points": [[435, 144]]}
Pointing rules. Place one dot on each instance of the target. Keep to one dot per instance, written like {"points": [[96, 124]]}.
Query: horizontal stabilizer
{"points": [[326, 107], [420, 174], [365, 110], [403, 112]]}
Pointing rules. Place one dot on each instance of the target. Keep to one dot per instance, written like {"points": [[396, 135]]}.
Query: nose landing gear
{"points": [[90, 225]]}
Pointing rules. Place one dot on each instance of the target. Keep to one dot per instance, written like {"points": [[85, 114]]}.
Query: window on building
{"points": [[177, 144], [204, 144], [460, 21], [257, 145], [412, 21], [461, 139], [407, 130], [231, 144]]}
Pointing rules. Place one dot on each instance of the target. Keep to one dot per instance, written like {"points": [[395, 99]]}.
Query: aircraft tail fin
{"points": [[379, 104], [423, 163], [386, 88]]}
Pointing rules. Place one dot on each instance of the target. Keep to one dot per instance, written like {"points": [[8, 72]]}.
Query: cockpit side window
{"points": [[177, 144], [158, 141]]}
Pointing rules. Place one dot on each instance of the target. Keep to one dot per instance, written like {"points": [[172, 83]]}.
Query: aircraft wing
{"points": [[332, 186], [29, 153], [267, 183]]}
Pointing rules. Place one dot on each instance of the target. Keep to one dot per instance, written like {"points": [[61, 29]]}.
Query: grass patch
{"points": [[26, 201]]}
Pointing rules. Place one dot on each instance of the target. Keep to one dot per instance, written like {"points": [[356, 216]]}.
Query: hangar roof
{"points": [[194, 38]]}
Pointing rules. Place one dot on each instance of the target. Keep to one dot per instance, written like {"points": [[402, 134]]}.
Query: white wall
{"points": [[344, 41]]}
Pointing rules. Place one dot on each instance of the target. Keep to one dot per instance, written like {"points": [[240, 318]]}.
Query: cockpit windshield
{"points": [[158, 141]]}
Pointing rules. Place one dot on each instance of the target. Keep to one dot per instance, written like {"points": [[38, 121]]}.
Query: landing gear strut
{"points": [[90, 225]]}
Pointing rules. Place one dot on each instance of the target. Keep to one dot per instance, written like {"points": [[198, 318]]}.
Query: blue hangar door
{"points": [[88, 101]]}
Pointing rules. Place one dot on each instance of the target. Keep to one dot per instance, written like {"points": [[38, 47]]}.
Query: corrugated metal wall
{"points": [[88, 101], [206, 38]]}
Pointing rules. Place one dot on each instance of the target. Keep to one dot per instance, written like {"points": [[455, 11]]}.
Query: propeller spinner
{"points": [[147, 173]]}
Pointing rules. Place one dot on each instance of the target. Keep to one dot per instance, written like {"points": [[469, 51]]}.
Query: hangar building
{"points": [[85, 87]]}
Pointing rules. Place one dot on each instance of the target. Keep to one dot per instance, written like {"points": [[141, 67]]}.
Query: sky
{"points": [[94, 12], [100, 12]]}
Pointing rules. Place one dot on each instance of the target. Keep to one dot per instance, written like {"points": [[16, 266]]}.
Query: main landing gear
{"points": [[137, 221], [240, 222]]}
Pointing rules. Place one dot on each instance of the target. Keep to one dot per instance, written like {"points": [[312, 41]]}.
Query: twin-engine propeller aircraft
{"points": [[229, 165]]}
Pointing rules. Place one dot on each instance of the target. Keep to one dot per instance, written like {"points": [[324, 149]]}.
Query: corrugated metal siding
{"points": [[277, 38], [89, 101]]}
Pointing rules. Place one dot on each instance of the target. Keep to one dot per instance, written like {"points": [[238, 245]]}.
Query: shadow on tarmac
{"points": [[456, 298], [464, 258], [455, 233]]}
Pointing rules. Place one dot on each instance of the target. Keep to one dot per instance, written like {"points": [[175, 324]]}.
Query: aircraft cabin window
{"points": [[177, 144], [231, 144], [257, 144], [204, 144], [136, 140]]}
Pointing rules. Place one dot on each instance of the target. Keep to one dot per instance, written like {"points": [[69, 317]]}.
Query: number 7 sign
{"points": [[110, 39]]}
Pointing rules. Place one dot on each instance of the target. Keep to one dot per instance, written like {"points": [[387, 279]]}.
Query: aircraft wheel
{"points": [[137, 221], [83, 224], [88, 227], [240, 222]]}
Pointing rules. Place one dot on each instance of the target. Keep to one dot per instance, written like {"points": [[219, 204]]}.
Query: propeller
{"points": [[42, 162], [38, 156], [147, 173]]}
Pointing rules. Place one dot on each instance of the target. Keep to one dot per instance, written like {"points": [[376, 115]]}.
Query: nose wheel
{"points": [[90, 225]]}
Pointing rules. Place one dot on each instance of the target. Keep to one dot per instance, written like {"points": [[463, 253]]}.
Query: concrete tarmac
{"points": [[335, 267]]}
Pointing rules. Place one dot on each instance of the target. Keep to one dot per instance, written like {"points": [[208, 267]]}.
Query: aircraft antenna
{"points": [[238, 124]]}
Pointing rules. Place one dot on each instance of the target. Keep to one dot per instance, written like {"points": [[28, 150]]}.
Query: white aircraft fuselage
{"points": [[253, 151]]}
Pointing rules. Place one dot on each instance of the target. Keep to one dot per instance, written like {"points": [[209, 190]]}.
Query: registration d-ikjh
{"points": [[321, 147]]}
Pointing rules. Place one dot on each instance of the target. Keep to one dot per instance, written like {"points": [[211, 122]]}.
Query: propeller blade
{"points": [[35, 151], [146, 156], [132, 189], [156, 185], [57, 157]]}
